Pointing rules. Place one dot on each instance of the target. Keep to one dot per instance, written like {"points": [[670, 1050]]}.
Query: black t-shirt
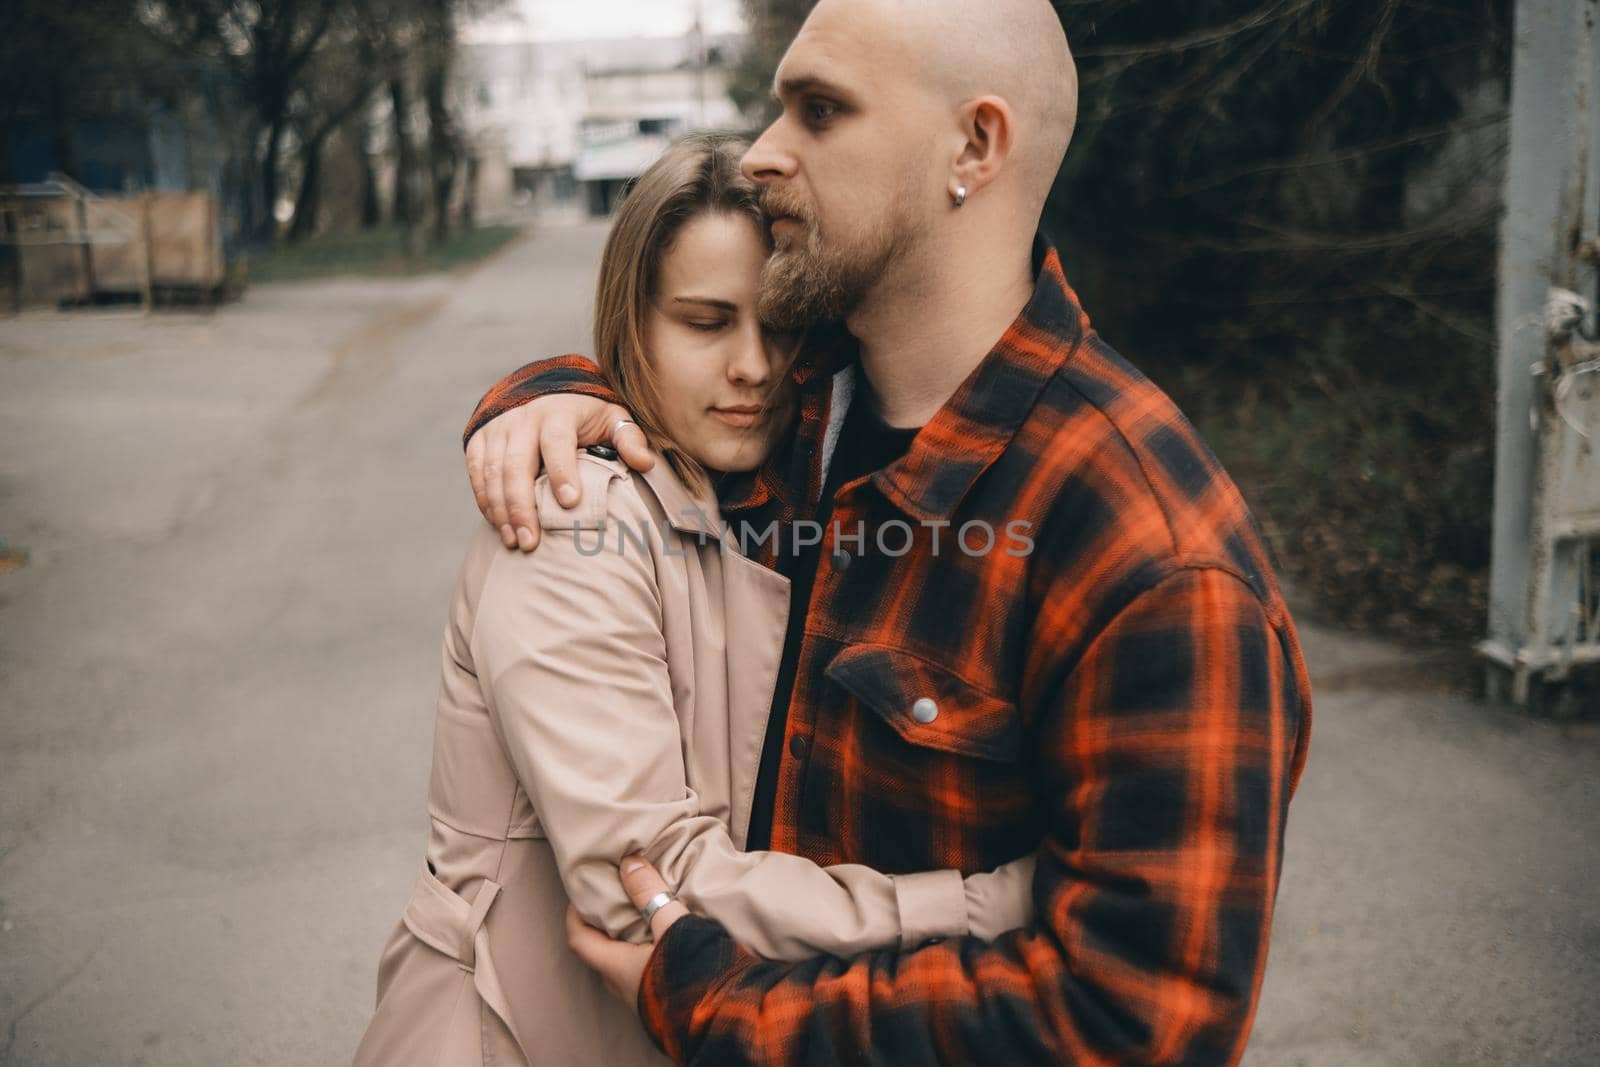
{"points": [[866, 444]]}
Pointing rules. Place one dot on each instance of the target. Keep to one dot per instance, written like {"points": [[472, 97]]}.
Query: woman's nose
{"points": [[750, 363]]}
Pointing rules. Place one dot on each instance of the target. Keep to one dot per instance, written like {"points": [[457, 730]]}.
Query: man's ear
{"points": [[989, 125]]}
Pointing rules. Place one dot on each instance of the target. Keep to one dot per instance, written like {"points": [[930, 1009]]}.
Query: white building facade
{"points": [[560, 127]]}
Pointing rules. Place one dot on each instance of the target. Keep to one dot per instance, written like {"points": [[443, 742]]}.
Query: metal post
{"points": [[699, 33], [11, 233], [87, 247], [1552, 177], [147, 260]]}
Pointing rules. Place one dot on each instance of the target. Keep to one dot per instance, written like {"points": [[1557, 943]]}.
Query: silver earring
{"points": [[961, 195]]}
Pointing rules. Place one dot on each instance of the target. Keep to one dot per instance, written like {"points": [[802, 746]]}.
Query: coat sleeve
{"points": [[558, 374], [1167, 780], [567, 645]]}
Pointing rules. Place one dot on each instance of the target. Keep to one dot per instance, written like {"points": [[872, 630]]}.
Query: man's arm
{"points": [[572, 374], [1168, 753], [566, 647], [537, 417]]}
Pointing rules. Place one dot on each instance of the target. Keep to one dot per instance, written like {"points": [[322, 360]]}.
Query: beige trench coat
{"points": [[601, 697]]}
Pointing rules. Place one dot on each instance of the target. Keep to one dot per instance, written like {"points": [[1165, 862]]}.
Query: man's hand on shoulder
{"points": [[505, 456]]}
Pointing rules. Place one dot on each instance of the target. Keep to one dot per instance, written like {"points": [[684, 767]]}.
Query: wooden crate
{"points": [[73, 247]]}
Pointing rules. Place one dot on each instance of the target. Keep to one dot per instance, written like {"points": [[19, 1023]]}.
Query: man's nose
{"points": [[767, 160]]}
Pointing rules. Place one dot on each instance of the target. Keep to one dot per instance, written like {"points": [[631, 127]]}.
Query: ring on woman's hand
{"points": [[655, 904], [619, 424]]}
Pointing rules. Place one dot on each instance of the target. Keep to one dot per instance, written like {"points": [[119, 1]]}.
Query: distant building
{"points": [[564, 125]]}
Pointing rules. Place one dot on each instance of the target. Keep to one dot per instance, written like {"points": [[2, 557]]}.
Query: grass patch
{"points": [[379, 253]]}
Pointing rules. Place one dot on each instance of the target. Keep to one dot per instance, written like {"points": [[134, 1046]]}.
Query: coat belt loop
{"points": [[480, 911]]}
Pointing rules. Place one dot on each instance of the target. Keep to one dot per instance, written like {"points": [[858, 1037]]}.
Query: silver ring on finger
{"points": [[655, 904], [619, 424]]}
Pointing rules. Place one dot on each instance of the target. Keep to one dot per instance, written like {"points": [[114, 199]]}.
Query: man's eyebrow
{"points": [[800, 84], [707, 301]]}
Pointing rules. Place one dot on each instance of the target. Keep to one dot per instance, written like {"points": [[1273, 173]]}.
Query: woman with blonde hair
{"points": [[607, 693]]}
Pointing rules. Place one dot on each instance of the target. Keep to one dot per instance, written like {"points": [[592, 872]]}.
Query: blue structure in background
{"points": [[137, 142]]}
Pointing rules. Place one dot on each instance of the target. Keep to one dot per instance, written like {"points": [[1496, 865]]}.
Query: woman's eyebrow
{"points": [[707, 301]]}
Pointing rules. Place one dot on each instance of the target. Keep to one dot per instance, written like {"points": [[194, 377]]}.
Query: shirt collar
{"points": [[963, 438], [829, 348], [975, 425]]}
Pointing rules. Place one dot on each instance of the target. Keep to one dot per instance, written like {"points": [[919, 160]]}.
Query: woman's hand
{"points": [[505, 456], [621, 964]]}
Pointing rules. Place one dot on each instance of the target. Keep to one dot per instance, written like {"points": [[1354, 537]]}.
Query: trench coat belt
{"points": [[444, 921]]}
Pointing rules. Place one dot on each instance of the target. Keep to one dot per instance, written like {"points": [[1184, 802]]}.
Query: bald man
{"points": [[1036, 616]]}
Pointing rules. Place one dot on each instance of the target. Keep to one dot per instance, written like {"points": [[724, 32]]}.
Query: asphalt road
{"points": [[218, 664]]}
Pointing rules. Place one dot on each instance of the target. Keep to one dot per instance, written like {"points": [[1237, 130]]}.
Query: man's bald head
{"points": [[894, 112], [1014, 49]]}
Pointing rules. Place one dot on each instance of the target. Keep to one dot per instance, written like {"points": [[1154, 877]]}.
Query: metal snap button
{"points": [[797, 747], [924, 710], [842, 560]]}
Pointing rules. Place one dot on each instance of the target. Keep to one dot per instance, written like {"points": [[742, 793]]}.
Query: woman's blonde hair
{"points": [[698, 175]]}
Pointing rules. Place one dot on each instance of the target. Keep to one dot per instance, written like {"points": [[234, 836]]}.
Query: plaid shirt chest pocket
{"points": [[917, 769], [927, 705]]}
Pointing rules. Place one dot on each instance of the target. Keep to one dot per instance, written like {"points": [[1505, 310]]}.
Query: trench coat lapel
{"points": [[756, 603], [755, 620]]}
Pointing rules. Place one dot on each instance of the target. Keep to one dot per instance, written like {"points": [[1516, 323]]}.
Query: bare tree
{"points": [[444, 138], [266, 45], [336, 84], [357, 132]]}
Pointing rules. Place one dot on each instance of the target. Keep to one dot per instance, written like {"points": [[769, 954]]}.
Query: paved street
{"points": [[218, 664]]}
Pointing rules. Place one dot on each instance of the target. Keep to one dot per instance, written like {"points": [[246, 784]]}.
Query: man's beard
{"points": [[805, 282]]}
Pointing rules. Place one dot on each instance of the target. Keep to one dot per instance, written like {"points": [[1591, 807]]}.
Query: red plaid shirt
{"points": [[1127, 697]]}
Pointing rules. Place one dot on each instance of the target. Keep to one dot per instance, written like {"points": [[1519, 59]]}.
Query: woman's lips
{"points": [[738, 418]]}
